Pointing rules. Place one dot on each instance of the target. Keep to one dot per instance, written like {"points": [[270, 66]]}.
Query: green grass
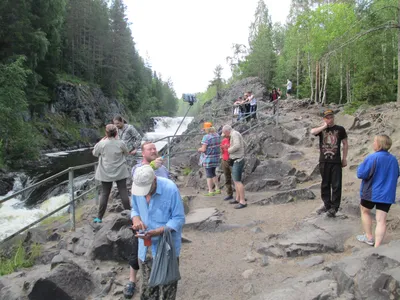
{"points": [[351, 108], [19, 258], [61, 219], [187, 171], [68, 78]]}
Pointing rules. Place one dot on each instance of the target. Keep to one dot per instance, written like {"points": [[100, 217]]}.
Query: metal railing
{"points": [[72, 198], [71, 170]]}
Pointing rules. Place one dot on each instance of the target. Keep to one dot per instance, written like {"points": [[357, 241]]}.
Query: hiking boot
{"points": [[321, 210], [331, 213], [129, 290]]}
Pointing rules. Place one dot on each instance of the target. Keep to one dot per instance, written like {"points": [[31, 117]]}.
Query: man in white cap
{"points": [[156, 205]]}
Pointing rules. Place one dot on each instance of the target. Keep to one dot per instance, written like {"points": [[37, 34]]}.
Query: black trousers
{"points": [[247, 109], [133, 259], [105, 193], [331, 186]]}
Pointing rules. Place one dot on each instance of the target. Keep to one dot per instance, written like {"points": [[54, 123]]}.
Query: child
{"points": [[379, 173]]}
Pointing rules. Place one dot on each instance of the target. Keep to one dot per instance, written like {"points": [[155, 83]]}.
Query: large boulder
{"points": [[268, 174], [114, 240], [371, 274], [67, 280]]}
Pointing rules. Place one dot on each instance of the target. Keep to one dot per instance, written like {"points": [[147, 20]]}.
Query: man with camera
{"points": [[151, 158], [156, 206]]}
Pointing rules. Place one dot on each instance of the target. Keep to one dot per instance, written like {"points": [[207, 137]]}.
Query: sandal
{"points": [[363, 239], [234, 202], [240, 205], [217, 192]]}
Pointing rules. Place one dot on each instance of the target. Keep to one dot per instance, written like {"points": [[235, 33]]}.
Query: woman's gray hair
{"points": [[227, 128]]}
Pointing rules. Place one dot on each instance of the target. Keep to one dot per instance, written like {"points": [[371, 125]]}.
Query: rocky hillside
{"points": [[284, 155], [77, 116], [276, 248]]}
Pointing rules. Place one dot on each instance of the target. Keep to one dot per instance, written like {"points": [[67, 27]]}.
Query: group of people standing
{"points": [[156, 205], [228, 150], [245, 108], [379, 173]]}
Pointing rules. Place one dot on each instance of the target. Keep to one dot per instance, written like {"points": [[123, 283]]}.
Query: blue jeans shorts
{"points": [[210, 172], [237, 170]]}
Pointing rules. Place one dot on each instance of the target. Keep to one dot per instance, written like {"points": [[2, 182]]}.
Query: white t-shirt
{"points": [[253, 100], [289, 85]]}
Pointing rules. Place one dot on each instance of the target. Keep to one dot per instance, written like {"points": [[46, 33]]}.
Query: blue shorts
{"points": [[237, 170], [210, 172]]}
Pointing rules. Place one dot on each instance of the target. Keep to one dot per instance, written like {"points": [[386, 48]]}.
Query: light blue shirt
{"points": [[160, 172], [164, 209]]}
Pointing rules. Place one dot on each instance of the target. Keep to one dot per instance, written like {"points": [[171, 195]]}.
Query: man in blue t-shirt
{"points": [[150, 157]]}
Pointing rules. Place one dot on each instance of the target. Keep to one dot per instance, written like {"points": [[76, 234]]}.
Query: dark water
{"points": [[53, 165]]}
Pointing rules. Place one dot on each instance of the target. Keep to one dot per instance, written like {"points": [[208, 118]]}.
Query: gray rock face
{"points": [[86, 105], [71, 279], [271, 174], [6, 182], [372, 274], [113, 241], [288, 196], [315, 235], [312, 261], [66, 281]]}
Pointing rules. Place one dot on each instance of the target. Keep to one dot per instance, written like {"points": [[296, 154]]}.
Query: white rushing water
{"points": [[166, 126], [13, 213]]}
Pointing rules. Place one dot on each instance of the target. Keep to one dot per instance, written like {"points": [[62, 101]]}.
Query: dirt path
{"points": [[212, 265]]}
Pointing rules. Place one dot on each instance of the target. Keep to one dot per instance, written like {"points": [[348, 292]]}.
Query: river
{"points": [[21, 211]]}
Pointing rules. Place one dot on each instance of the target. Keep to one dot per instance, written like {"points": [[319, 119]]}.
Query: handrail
{"points": [[46, 180], [45, 216]]}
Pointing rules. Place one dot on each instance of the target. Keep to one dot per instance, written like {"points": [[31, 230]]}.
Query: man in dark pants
{"points": [[331, 136], [150, 157]]}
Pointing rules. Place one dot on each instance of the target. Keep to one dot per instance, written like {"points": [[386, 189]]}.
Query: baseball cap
{"points": [[142, 180], [328, 112]]}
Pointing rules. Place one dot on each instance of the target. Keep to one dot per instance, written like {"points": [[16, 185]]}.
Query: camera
{"points": [[190, 98]]}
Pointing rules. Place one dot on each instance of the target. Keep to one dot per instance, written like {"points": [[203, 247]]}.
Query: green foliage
{"points": [[351, 108], [18, 138], [351, 44], [82, 42], [19, 258]]}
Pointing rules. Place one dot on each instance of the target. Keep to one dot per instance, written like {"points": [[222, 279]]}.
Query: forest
{"points": [[45, 42], [334, 51]]}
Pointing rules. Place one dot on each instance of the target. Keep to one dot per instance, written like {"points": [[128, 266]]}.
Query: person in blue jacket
{"points": [[379, 173]]}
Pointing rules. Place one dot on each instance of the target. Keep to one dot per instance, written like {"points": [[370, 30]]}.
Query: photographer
{"points": [[112, 167]]}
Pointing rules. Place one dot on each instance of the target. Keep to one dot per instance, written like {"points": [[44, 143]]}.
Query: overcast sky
{"points": [[186, 39]]}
